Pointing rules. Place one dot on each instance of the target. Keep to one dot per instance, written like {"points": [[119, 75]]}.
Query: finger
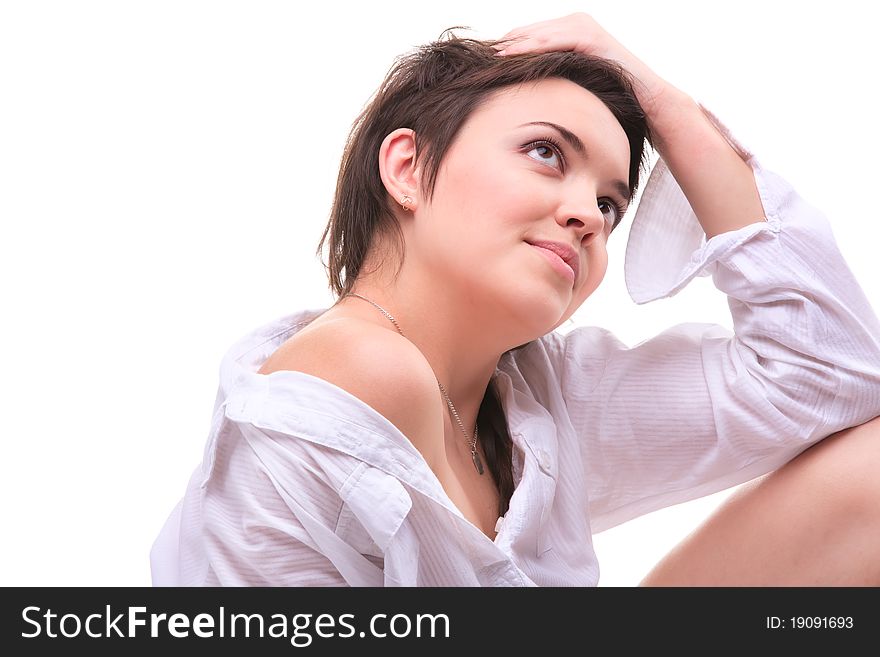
{"points": [[525, 46], [510, 49], [512, 37], [511, 46]]}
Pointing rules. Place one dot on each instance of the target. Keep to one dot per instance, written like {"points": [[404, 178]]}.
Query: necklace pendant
{"points": [[478, 464]]}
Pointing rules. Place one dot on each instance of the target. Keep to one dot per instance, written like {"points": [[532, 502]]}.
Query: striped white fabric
{"points": [[304, 484]]}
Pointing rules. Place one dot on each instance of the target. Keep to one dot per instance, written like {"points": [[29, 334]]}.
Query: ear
{"points": [[397, 166]]}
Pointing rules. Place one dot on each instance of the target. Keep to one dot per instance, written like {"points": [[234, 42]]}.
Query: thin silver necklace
{"points": [[475, 456]]}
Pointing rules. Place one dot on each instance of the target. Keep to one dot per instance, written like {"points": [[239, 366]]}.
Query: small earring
{"points": [[404, 203]]}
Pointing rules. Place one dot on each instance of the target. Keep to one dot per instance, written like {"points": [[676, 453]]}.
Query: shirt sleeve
{"points": [[698, 408]]}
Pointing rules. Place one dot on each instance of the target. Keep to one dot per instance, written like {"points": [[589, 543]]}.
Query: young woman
{"points": [[432, 429]]}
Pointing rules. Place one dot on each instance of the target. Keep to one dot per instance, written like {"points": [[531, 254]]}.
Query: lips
{"points": [[568, 254]]}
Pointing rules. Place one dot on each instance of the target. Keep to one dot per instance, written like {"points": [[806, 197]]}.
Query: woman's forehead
{"points": [[553, 98], [552, 101]]}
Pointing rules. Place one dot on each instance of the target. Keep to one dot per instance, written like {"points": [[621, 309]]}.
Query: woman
{"points": [[431, 428]]}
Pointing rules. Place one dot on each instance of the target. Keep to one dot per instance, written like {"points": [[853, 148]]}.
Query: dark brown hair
{"points": [[433, 90]]}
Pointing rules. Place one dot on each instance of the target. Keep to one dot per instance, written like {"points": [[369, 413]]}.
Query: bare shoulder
{"points": [[381, 368]]}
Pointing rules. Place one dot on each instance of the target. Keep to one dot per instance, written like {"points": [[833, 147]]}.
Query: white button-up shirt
{"points": [[303, 483]]}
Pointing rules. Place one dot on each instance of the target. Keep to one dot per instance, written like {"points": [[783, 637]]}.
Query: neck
{"points": [[460, 367], [461, 325]]}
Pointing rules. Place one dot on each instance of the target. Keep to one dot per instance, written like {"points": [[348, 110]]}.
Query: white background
{"points": [[166, 170]]}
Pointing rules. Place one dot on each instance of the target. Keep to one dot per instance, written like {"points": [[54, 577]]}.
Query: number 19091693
{"points": [[809, 622]]}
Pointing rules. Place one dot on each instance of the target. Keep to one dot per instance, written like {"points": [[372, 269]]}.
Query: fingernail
{"points": [[500, 52]]}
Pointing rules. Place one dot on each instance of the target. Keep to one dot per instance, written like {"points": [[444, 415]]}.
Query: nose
{"points": [[581, 213]]}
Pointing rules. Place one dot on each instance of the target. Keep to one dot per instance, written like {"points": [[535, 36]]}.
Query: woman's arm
{"points": [[717, 182], [697, 409]]}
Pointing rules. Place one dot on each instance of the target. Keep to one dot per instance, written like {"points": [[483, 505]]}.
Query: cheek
{"points": [[597, 261], [475, 193], [472, 219], [486, 190]]}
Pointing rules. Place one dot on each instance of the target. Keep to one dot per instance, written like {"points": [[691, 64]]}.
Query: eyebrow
{"points": [[575, 142]]}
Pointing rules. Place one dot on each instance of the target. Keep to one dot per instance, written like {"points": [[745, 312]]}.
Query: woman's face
{"points": [[503, 183]]}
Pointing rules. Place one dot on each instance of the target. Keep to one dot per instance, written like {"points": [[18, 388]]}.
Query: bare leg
{"points": [[813, 522]]}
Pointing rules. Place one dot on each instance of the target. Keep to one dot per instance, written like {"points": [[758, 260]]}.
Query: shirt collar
{"points": [[300, 404]]}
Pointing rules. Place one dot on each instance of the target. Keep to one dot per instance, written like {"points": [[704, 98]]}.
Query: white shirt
{"points": [[302, 483]]}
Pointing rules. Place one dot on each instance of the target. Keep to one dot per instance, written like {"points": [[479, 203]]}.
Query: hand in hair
{"points": [[581, 33]]}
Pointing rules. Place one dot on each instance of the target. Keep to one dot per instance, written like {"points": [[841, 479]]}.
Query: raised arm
{"points": [[697, 409], [717, 182]]}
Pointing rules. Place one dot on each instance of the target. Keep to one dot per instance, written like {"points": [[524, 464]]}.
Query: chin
{"points": [[540, 312], [565, 318]]}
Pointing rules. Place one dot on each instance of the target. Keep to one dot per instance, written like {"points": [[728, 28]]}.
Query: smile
{"points": [[557, 263]]}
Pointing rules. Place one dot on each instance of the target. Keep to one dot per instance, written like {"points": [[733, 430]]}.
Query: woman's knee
{"points": [[815, 521], [847, 465]]}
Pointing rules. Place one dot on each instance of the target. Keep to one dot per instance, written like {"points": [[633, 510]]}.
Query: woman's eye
{"points": [[610, 210], [545, 153]]}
